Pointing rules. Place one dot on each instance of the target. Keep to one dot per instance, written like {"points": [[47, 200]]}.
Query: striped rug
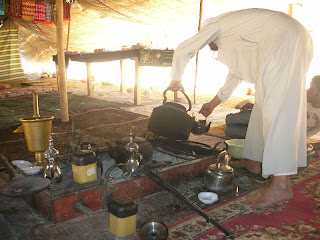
{"points": [[10, 62]]}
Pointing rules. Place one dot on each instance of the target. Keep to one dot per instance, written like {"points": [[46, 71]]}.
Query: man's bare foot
{"points": [[250, 165], [279, 190]]}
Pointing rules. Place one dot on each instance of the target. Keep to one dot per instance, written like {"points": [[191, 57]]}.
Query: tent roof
{"points": [[111, 24]]}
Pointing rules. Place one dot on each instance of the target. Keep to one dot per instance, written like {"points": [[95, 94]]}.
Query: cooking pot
{"points": [[171, 120], [235, 148], [219, 176]]}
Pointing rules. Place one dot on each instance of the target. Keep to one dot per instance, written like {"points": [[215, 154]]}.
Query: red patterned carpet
{"points": [[295, 219]]}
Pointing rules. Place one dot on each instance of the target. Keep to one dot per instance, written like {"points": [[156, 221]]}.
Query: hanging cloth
{"points": [[66, 11], [39, 12], [10, 61], [28, 8], [15, 8], [48, 14]]}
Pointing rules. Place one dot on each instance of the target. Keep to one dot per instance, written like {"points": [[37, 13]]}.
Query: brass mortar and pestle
{"points": [[37, 131]]}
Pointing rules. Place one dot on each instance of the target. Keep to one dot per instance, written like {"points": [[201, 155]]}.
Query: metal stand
{"points": [[149, 173]]}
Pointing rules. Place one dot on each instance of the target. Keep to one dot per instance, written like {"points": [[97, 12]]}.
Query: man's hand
{"points": [[246, 107], [175, 86], [206, 109]]}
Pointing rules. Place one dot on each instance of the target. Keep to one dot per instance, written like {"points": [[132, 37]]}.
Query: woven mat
{"points": [[295, 219], [217, 131], [96, 120]]}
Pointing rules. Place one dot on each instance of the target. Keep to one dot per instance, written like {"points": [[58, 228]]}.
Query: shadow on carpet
{"points": [[97, 121], [12, 109], [217, 131]]}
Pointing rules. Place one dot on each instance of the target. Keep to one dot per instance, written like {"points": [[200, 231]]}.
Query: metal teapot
{"points": [[219, 176], [52, 170], [119, 152], [134, 157], [200, 126]]}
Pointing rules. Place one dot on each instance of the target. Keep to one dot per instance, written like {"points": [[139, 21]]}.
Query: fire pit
{"points": [[57, 202]]}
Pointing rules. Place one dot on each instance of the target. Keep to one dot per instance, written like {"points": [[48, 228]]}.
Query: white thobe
{"points": [[273, 51]]}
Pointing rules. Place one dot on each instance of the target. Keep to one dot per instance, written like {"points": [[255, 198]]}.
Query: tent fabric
{"points": [[97, 24], [10, 62], [114, 24]]}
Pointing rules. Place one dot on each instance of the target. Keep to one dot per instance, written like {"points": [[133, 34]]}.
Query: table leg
{"points": [[122, 74], [137, 90], [89, 79]]}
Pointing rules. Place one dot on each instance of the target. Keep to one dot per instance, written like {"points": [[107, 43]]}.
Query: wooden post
{"points": [[290, 9], [197, 56], [57, 76], [122, 73], [137, 90], [64, 111], [68, 39], [89, 79]]}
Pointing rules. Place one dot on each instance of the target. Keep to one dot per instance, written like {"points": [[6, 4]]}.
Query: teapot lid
{"points": [[221, 168], [132, 146]]}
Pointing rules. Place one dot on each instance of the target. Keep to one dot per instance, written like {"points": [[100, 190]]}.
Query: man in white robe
{"points": [[273, 51]]}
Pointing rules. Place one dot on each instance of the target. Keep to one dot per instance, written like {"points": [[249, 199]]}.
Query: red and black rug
{"points": [[298, 218]]}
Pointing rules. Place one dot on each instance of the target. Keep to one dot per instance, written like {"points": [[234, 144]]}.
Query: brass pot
{"points": [[37, 132]]}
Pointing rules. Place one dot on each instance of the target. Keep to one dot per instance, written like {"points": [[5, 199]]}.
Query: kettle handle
{"points": [[165, 97], [218, 143]]}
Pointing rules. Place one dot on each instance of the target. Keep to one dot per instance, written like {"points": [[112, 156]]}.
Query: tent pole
{"points": [[290, 9], [64, 112], [68, 39], [197, 56]]}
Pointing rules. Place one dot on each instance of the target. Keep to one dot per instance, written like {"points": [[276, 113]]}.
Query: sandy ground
{"points": [[24, 218], [17, 218], [149, 98]]}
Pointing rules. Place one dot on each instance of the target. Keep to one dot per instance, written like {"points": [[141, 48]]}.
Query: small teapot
{"points": [[200, 126], [134, 157], [52, 170]]}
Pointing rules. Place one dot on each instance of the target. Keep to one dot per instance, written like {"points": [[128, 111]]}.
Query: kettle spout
{"points": [[208, 127]]}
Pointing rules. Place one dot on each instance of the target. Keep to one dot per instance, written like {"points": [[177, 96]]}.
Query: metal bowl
{"points": [[153, 230]]}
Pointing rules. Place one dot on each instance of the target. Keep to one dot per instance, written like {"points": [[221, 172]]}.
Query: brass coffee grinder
{"points": [[37, 131]]}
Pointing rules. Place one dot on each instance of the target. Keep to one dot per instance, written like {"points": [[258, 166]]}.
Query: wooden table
{"points": [[142, 57]]}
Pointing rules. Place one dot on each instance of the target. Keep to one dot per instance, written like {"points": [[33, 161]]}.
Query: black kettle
{"points": [[171, 120]]}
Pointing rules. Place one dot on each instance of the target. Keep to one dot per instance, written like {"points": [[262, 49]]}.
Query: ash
{"points": [[159, 155]]}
